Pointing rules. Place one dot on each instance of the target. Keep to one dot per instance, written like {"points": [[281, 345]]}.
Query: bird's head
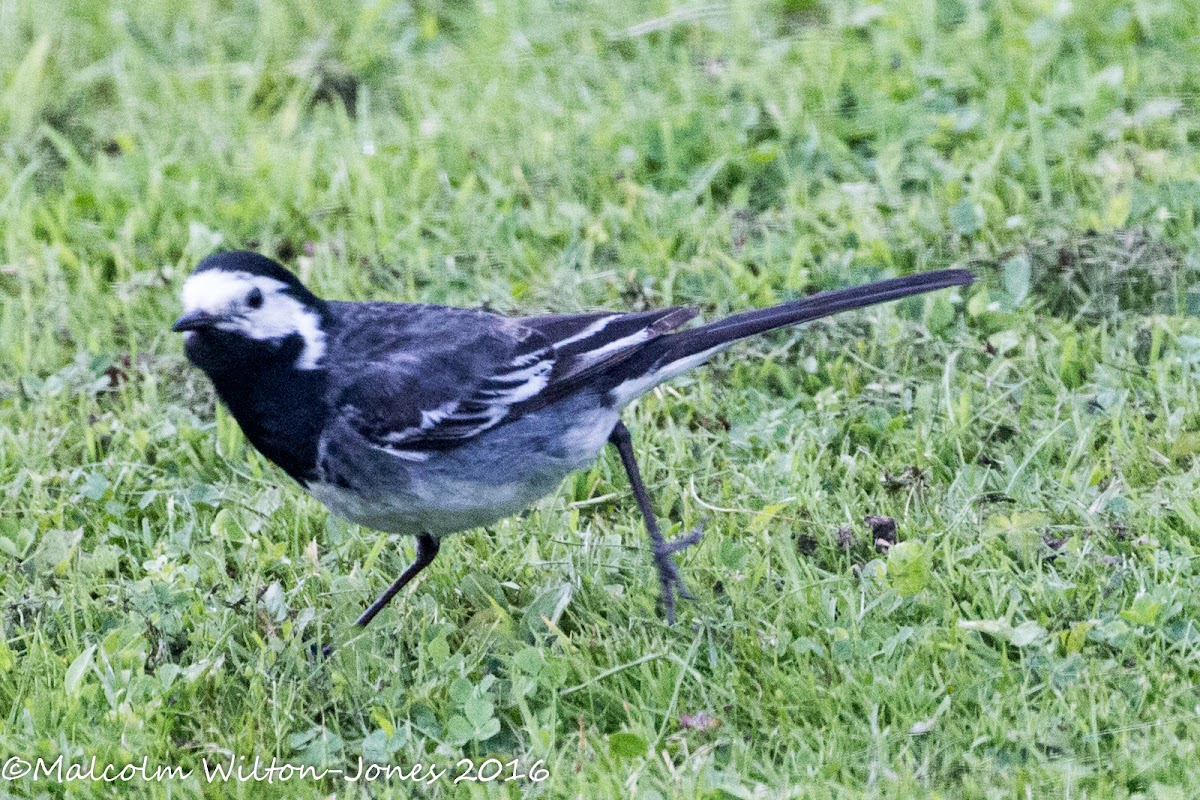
{"points": [[242, 310]]}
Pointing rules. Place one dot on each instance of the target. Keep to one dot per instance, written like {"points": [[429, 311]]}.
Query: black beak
{"points": [[194, 321]]}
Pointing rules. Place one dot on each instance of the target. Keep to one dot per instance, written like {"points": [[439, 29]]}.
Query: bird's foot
{"points": [[668, 571], [319, 652]]}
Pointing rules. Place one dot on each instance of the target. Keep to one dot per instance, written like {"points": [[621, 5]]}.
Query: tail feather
{"points": [[670, 355], [823, 304]]}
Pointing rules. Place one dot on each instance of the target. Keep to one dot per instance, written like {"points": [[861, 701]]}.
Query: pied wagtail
{"points": [[426, 420]]}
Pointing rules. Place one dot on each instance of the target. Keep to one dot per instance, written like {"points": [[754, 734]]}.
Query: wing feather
{"points": [[431, 377]]}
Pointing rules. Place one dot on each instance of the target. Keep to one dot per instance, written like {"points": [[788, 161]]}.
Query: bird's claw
{"points": [[319, 652], [668, 570]]}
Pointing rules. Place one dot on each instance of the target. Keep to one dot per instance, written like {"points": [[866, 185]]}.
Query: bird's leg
{"points": [[427, 550], [664, 551]]}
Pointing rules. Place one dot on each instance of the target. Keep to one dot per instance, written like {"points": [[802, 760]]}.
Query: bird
{"points": [[426, 420]]}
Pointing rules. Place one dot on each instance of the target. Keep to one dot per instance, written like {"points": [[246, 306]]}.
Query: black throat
{"points": [[281, 409]]}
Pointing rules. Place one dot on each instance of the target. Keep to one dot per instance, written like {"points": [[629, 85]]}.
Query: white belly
{"points": [[498, 475], [446, 507]]}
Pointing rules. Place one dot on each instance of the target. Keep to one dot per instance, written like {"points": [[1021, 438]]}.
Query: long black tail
{"points": [[677, 352], [823, 304]]}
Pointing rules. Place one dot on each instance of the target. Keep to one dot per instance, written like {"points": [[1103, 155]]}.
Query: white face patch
{"points": [[226, 295]]}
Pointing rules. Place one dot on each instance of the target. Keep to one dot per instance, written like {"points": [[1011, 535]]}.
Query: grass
{"points": [[1033, 633]]}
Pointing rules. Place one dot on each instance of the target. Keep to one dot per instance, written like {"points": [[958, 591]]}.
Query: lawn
{"points": [[1015, 620]]}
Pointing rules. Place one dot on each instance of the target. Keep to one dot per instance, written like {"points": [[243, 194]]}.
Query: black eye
{"points": [[255, 298]]}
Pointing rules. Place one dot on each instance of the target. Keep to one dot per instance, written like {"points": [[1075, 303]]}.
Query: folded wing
{"points": [[424, 378]]}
